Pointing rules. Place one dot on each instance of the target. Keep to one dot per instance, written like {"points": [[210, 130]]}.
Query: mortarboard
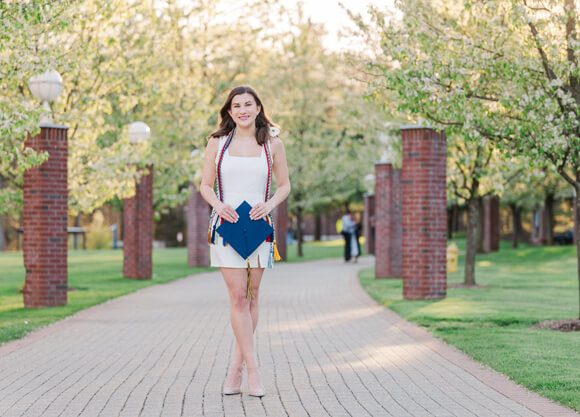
{"points": [[245, 235]]}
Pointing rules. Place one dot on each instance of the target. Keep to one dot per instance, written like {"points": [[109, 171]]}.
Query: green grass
{"points": [[317, 250], [97, 277], [524, 286]]}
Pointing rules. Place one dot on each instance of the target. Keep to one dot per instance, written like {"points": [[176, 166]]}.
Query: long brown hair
{"points": [[263, 122]]}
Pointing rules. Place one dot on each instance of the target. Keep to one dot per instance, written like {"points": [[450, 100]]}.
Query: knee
{"points": [[239, 302]]}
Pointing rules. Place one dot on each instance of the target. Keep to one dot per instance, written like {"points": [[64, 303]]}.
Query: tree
{"points": [[523, 195], [330, 132], [25, 50], [475, 171], [166, 63], [503, 72]]}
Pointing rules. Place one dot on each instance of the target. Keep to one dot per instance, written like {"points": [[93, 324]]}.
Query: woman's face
{"points": [[244, 110]]}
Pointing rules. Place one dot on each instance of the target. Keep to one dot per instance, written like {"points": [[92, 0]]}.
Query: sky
{"points": [[335, 17]]}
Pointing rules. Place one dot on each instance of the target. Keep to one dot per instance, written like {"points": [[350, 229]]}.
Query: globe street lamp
{"points": [[138, 216], [45, 209], [138, 132], [46, 87]]}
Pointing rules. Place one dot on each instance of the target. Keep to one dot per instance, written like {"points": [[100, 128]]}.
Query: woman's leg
{"points": [[238, 311]]}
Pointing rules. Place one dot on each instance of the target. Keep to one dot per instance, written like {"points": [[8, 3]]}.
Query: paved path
{"points": [[325, 349]]}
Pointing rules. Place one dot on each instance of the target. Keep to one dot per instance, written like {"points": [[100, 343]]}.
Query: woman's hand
{"points": [[260, 210], [226, 212]]}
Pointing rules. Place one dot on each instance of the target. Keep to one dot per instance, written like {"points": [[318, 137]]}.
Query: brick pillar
{"points": [[280, 218], [44, 221], [388, 228], [369, 223], [197, 223], [424, 213], [138, 229], [491, 224]]}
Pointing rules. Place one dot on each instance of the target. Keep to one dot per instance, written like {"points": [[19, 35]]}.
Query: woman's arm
{"points": [[280, 170], [225, 211]]}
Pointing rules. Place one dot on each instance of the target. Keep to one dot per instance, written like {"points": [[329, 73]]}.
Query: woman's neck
{"points": [[249, 131]]}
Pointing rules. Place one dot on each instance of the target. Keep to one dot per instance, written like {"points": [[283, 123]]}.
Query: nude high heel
{"points": [[234, 390], [256, 391]]}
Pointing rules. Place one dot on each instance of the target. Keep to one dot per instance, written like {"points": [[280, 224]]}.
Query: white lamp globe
{"points": [[47, 86], [138, 132]]}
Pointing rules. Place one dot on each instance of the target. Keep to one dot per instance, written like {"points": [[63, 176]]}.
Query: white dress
{"points": [[243, 178]]}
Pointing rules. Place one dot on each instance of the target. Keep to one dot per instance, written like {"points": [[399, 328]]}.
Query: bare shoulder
{"points": [[276, 144], [213, 144]]}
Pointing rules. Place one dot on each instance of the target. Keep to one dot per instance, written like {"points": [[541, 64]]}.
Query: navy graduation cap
{"points": [[245, 235]]}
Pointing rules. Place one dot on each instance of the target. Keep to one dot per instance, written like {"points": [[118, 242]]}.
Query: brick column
{"points": [[369, 223], [388, 228], [424, 213], [280, 218], [138, 229], [491, 224], [197, 223], [44, 221]]}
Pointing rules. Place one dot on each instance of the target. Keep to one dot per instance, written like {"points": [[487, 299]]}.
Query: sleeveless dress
{"points": [[242, 178]]}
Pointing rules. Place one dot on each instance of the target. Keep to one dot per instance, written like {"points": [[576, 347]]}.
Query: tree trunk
{"points": [[472, 221], [450, 222], [577, 231], [317, 227], [549, 206], [479, 225], [2, 242], [516, 224], [299, 240]]}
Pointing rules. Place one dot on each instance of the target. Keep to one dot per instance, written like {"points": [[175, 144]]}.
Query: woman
{"points": [[243, 153]]}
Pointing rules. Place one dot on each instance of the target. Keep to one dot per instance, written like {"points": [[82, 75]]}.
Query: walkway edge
{"points": [[494, 379], [50, 328]]}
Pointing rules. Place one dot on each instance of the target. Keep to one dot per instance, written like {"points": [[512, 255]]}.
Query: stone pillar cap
{"points": [[53, 126], [409, 127]]}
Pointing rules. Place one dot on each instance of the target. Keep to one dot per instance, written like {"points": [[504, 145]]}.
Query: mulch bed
{"points": [[569, 325]]}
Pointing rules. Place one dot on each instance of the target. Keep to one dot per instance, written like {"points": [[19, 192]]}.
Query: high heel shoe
{"points": [[257, 391], [234, 390]]}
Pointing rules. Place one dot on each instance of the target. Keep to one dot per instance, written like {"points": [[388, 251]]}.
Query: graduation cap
{"points": [[245, 235]]}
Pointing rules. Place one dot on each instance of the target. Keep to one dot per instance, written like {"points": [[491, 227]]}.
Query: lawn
{"points": [[523, 287], [97, 276]]}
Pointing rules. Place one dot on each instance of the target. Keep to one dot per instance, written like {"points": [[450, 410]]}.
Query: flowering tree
{"points": [[475, 171], [166, 63], [501, 72], [25, 50], [330, 132]]}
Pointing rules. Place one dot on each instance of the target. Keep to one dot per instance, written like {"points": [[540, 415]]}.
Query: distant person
{"points": [[243, 154], [354, 239], [347, 228]]}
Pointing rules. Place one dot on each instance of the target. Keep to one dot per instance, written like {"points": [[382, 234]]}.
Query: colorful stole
{"points": [[215, 220]]}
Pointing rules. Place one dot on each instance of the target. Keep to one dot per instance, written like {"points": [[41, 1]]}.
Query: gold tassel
{"points": [[276, 254], [249, 281]]}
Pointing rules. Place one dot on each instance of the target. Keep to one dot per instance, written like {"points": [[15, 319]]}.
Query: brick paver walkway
{"points": [[325, 349]]}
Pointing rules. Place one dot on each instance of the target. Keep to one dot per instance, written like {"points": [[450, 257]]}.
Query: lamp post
{"points": [[138, 216], [45, 210]]}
